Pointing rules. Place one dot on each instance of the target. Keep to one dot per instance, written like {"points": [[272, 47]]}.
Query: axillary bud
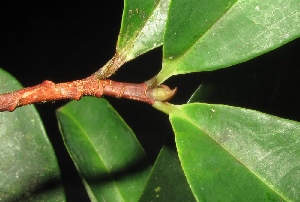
{"points": [[161, 93]]}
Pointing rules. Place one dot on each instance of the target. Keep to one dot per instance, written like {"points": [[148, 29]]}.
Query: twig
{"points": [[90, 86]]}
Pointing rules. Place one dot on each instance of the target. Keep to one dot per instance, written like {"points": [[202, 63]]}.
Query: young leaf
{"points": [[167, 181], [142, 29], [234, 154], [105, 151], [28, 166], [207, 35]]}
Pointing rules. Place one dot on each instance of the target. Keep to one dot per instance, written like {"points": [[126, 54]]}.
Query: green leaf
{"points": [[105, 151], [236, 154], [28, 167], [167, 181], [207, 35], [142, 29]]}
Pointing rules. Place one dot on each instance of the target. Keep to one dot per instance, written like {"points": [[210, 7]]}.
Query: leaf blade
{"points": [[106, 153], [243, 31], [167, 181], [28, 166], [142, 28], [219, 132]]}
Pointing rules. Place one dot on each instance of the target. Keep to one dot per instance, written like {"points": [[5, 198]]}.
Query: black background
{"points": [[67, 41]]}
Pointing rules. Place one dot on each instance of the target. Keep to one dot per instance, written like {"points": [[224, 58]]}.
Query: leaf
{"points": [[208, 35], [230, 153], [167, 181], [105, 151], [28, 167], [143, 25]]}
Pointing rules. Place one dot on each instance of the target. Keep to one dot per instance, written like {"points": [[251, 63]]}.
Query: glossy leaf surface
{"points": [[207, 35], [143, 25], [167, 181], [28, 166], [105, 151], [243, 154]]}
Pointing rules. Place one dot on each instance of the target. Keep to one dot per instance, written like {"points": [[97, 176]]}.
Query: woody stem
{"points": [[90, 86]]}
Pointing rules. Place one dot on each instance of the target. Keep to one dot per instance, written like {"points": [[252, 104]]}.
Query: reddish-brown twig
{"points": [[90, 86]]}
